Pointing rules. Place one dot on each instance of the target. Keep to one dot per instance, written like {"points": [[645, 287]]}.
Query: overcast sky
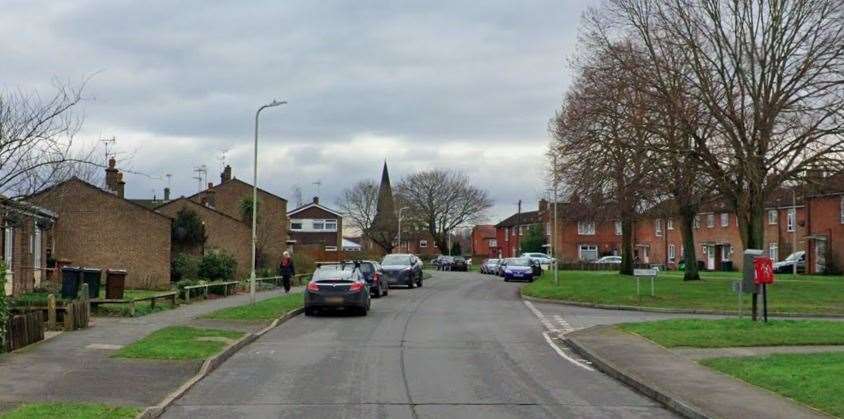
{"points": [[439, 84]]}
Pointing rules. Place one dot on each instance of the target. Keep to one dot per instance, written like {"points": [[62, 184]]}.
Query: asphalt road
{"points": [[464, 346]]}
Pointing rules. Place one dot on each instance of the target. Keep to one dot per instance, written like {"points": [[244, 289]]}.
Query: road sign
{"points": [[645, 272], [650, 273]]}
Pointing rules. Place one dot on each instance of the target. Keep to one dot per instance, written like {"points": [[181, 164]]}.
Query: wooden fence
{"points": [[24, 329]]}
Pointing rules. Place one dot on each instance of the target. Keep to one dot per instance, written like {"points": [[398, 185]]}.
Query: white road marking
{"points": [[559, 333]]}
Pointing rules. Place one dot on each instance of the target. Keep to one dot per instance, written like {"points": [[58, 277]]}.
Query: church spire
{"points": [[385, 224]]}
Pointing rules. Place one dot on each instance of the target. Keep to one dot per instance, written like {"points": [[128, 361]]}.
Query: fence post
{"points": [[51, 312]]}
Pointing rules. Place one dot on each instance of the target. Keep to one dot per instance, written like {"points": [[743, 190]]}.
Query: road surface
{"points": [[463, 346]]}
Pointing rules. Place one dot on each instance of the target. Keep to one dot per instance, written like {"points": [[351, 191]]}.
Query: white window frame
{"points": [[522, 230], [791, 220], [773, 251], [8, 247], [329, 223], [726, 253], [548, 229], [37, 248], [669, 224], [658, 224], [588, 248], [710, 220], [506, 234], [320, 223], [672, 252], [293, 228], [619, 230], [725, 219], [423, 244], [492, 243], [585, 228], [696, 222], [773, 215], [330, 248]]}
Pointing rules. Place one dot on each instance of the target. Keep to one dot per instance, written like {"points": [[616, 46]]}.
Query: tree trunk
{"points": [[752, 221], [687, 219], [626, 267]]}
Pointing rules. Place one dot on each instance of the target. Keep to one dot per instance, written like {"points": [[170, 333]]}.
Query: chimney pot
{"points": [[227, 174], [166, 194], [111, 175], [121, 185], [316, 200]]}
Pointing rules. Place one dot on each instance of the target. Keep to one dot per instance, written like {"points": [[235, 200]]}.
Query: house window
{"points": [[618, 230], [492, 243], [725, 219], [672, 252], [296, 225], [790, 220], [725, 252], [547, 229], [772, 217], [331, 225], [506, 234], [319, 225], [423, 243], [522, 230], [586, 228], [330, 248], [842, 210], [669, 224], [8, 241], [773, 251], [696, 222], [36, 251], [587, 252], [710, 220], [658, 223]]}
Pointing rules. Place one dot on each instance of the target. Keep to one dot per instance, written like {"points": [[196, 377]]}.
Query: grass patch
{"points": [[70, 411], [269, 309], [142, 308], [179, 343], [734, 332], [813, 379], [806, 294]]}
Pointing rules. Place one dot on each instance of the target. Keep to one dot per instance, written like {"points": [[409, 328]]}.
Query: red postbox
{"points": [[763, 271]]}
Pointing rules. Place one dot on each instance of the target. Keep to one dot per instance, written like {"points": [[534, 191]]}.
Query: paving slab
{"points": [[678, 382]]}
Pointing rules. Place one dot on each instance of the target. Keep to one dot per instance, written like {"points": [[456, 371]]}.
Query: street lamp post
{"points": [[274, 103], [554, 235], [400, 211]]}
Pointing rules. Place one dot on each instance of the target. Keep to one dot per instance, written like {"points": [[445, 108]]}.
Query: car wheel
{"points": [[309, 311], [377, 293], [386, 290], [410, 284], [506, 280], [419, 284]]}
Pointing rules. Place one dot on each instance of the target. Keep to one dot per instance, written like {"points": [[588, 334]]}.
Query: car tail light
{"points": [[377, 276], [356, 287], [312, 286]]}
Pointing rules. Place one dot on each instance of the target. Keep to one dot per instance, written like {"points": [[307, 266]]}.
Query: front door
{"points": [[820, 256], [710, 258], [8, 240]]}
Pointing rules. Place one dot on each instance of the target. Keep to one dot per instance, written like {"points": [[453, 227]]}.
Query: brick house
{"points": [[508, 232], [228, 196], [26, 228], [484, 241], [101, 229], [419, 242], [825, 225], [315, 226], [223, 232], [581, 235]]}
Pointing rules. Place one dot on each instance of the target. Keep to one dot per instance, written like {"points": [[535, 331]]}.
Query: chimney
{"points": [[210, 194], [226, 175], [316, 200], [543, 205], [166, 194], [121, 185], [111, 175]]}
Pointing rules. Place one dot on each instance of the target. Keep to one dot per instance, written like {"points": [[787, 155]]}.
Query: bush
{"points": [[184, 266], [217, 266], [303, 263]]}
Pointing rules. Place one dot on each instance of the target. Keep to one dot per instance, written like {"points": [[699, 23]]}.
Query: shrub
{"points": [[303, 262], [217, 266], [184, 266]]}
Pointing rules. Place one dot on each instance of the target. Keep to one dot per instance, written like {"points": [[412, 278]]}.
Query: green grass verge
{"points": [[813, 379], [142, 308], [179, 343], [269, 309], [734, 332], [806, 294], [61, 410]]}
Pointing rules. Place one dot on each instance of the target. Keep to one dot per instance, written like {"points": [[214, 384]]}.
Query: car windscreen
{"points": [[366, 267], [518, 262], [396, 260], [794, 256]]}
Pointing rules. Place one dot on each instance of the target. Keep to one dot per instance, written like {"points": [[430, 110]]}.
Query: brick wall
{"points": [[223, 232], [825, 221], [97, 229], [324, 239]]}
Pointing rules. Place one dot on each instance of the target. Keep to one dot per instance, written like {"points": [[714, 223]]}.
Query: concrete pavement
{"points": [[461, 347]]}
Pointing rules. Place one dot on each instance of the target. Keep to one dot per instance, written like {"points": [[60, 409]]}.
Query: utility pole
{"points": [[794, 233], [554, 232]]}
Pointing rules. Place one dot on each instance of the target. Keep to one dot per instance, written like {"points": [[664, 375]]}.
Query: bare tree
{"points": [[37, 139], [440, 201], [358, 205], [770, 75], [598, 140]]}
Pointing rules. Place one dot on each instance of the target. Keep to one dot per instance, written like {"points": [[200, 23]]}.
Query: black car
{"points": [[402, 269], [459, 264], [337, 285], [373, 275], [445, 263]]}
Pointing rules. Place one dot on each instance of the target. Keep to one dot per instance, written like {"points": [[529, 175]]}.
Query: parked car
{"points": [[501, 265], [490, 266], [459, 263], [402, 269], [374, 277], [544, 260], [446, 263], [338, 285], [787, 265], [518, 268], [615, 260]]}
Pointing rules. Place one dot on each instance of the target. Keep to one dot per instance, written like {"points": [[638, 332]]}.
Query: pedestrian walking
{"points": [[286, 270]]}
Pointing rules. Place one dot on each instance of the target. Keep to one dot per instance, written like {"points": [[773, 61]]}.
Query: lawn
{"points": [[141, 308], [61, 410], [179, 343], [734, 332], [813, 379], [806, 294], [269, 309]]}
